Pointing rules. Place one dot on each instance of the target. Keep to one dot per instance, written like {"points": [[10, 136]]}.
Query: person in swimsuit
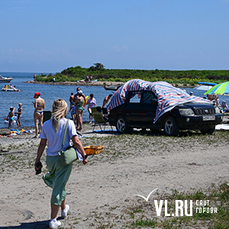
{"points": [[91, 103], [39, 106], [71, 98], [78, 101], [11, 117], [77, 90], [19, 113]]}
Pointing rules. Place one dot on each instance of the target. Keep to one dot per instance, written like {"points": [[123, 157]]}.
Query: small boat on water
{"points": [[5, 79], [10, 89]]}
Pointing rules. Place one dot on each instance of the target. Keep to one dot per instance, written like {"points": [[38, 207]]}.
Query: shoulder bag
{"points": [[70, 154]]}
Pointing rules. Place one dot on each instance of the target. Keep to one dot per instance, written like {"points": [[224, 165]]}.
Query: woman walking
{"points": [[53, 133]]}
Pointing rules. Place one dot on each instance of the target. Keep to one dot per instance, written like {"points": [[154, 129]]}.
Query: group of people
{"points": [[58, 175], [11, 115], [52, 134], [78, 103], [88, 79], [221, 105], [39, 105], [10, 87]]}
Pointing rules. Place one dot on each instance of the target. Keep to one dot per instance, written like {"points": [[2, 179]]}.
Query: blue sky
{"points": [[52, 35]]}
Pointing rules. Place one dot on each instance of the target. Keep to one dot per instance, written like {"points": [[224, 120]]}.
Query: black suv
{"points": [[139, 111]]}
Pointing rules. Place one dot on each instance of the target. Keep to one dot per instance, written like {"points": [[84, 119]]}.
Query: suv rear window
{"points": [[148, 97]]}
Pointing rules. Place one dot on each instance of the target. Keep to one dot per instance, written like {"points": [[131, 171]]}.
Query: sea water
{"points": [[50, 93]]}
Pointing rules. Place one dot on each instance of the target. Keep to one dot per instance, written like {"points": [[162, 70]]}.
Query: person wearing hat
{"points": [[77, 90], [39, 106]]}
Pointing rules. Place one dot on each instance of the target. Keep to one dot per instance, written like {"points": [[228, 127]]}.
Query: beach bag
{"points": [[70, 154]]}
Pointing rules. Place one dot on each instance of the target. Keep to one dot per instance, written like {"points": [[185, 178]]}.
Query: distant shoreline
{"points": [[93, 83]]}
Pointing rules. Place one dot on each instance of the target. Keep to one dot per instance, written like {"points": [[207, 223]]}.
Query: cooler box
{"points": [[47, 115]]}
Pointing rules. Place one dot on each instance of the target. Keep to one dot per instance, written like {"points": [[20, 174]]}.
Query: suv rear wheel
{"points": [[170, 126], [121, 124]]}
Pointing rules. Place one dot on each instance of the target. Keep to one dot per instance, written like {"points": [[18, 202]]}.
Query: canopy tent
{"points": [[167, 95]]}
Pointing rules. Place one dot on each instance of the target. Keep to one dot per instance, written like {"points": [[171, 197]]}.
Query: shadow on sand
{"points": [[31, 225]]}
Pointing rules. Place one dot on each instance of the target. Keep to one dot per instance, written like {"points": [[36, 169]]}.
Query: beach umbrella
{"points": [[219, 89]]}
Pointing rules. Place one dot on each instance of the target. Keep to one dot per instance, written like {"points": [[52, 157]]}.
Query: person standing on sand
{"points": [[78, 102], [106, 99], [71, 99], [58, 175], [19, 114], [91, 102], [78, 89], [11, 117], [39, 106]]}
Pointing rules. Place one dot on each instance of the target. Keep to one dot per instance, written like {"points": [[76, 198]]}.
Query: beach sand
{"points": [[102, 193]]}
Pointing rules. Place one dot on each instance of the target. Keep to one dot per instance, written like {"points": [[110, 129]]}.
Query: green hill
{"points": [[99, 73]]}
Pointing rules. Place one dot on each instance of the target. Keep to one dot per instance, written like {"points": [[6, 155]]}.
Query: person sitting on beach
{"points": [[11, 117], [87, 79], [90, 79], [39, 106], [91, 103], [19, 114], [214, 99], [58, 174], [224, 107], [217, 101]]}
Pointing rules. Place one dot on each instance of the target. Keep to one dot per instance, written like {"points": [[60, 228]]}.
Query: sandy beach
{"points": [[103, 193]]}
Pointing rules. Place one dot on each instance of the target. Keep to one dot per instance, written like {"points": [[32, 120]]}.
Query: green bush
{"points": [[98, 72]]}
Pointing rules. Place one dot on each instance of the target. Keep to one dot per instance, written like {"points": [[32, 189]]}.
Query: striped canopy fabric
{"points": [[167, 95], [219, 89]]}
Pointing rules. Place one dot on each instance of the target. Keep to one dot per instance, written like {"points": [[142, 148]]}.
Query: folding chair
{"points": [[99, 119]]}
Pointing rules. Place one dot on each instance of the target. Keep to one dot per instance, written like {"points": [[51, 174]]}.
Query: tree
{"points": [[99, 66]]}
